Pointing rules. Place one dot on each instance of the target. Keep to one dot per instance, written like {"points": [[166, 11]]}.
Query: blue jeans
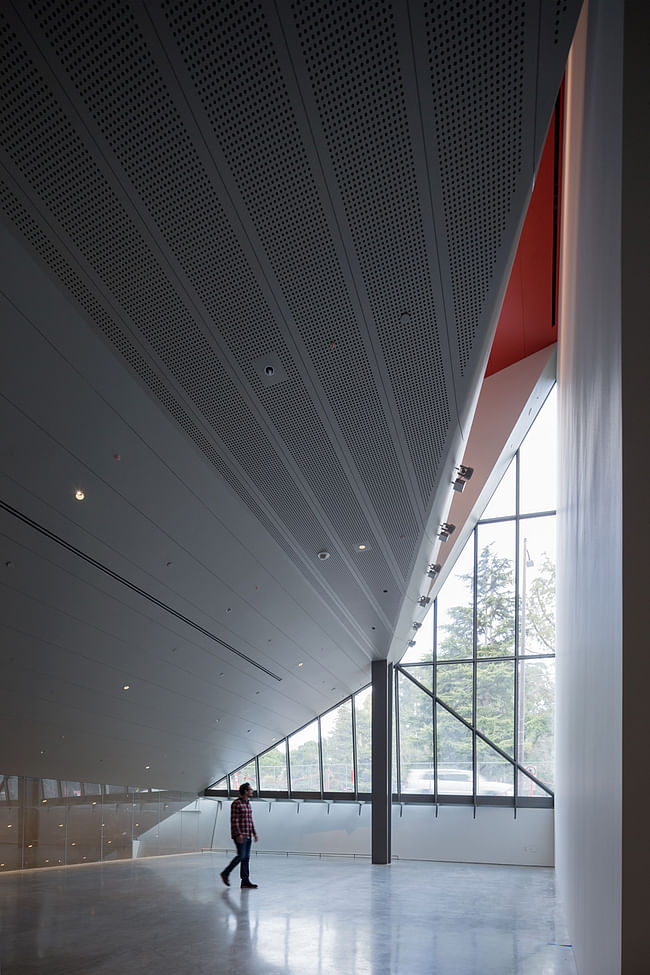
{"points": [[243, 856]]}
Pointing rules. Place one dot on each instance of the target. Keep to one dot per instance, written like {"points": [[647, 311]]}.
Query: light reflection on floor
{"points": [[172, 916]]}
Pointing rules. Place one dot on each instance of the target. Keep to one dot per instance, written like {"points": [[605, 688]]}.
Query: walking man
{"points": [[242, 830]]}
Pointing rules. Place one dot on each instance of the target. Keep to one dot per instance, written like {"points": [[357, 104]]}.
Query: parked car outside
{"points": [[455, 782]]}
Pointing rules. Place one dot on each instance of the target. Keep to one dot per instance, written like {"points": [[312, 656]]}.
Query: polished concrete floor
{"points": [[172, 916]]}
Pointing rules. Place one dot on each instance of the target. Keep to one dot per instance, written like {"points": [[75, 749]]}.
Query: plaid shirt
{"points": [[241, 819]]}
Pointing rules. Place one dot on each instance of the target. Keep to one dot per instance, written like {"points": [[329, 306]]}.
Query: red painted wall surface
{"points": [[528, 320]]}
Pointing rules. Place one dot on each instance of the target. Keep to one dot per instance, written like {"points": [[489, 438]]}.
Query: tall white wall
{"points": [[590, 505]]}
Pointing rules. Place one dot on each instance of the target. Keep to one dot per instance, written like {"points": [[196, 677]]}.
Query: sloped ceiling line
{"points": [[290, 269], [130, 585], [346, 506], [356, 105], [293, 513]]}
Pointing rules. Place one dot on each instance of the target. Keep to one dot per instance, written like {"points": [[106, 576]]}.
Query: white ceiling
{"points": [[193, 192]]}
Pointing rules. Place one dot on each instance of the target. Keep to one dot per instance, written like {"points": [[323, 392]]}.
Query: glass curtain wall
{"points": [[329, 757], [475, 691], [52, 822], [474, 694]]}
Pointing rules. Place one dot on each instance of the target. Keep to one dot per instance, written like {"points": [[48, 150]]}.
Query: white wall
{"points": [[589, 640], [494, 836]]}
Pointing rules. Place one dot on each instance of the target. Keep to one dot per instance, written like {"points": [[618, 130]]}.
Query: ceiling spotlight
{"points": [[79, 495], [433, 570], [445, 531], [459, 485], [362, 546], [411, 643], [416, 625], [323, 555], [147, 766], [125, 687], [424, 600]]}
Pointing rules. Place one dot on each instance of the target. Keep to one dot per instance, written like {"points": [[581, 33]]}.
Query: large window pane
{"points": [[415, 735], [536, 717], [495, 590], [537, 462], [423, 640], [454, 687], [495, 775], [303, 758], [454, 607], [273, 769], [336, 742], [503, 502], [495, 703], [84, 833], [44, 827], [363, 714], [244, 774], [537, 586], [454, 755]]}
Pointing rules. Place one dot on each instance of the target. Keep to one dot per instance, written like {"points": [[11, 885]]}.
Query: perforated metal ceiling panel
{"points": [[338, 186]]}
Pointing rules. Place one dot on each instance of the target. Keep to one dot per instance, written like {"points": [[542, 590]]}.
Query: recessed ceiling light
{"points": [[125, 687], [323, 555], [79, 495], [147, 766], [43, 801], [300, 664], [362, 546]]}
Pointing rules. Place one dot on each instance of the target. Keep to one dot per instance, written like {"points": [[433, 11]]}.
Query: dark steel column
{"points": [[382, 710]]}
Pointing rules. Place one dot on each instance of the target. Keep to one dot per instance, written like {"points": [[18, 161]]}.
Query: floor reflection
{"points": [[173, 916]]}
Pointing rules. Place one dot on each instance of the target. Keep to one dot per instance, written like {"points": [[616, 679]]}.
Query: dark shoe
{"points": [[250, 885], [224, 877]]}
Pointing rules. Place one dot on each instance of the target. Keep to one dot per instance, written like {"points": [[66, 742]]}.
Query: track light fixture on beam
{"points": [[445, 531], [424, 601], [463, 475], [434, 570]]}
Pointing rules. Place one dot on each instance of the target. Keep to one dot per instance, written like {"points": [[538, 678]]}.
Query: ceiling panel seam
{"points": [[142, 514], [138, 611], [118, 183], [316, 144], [44, 241], [130, 585], [246, 231], [456, 110], [208, 706], [323, 591]]}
